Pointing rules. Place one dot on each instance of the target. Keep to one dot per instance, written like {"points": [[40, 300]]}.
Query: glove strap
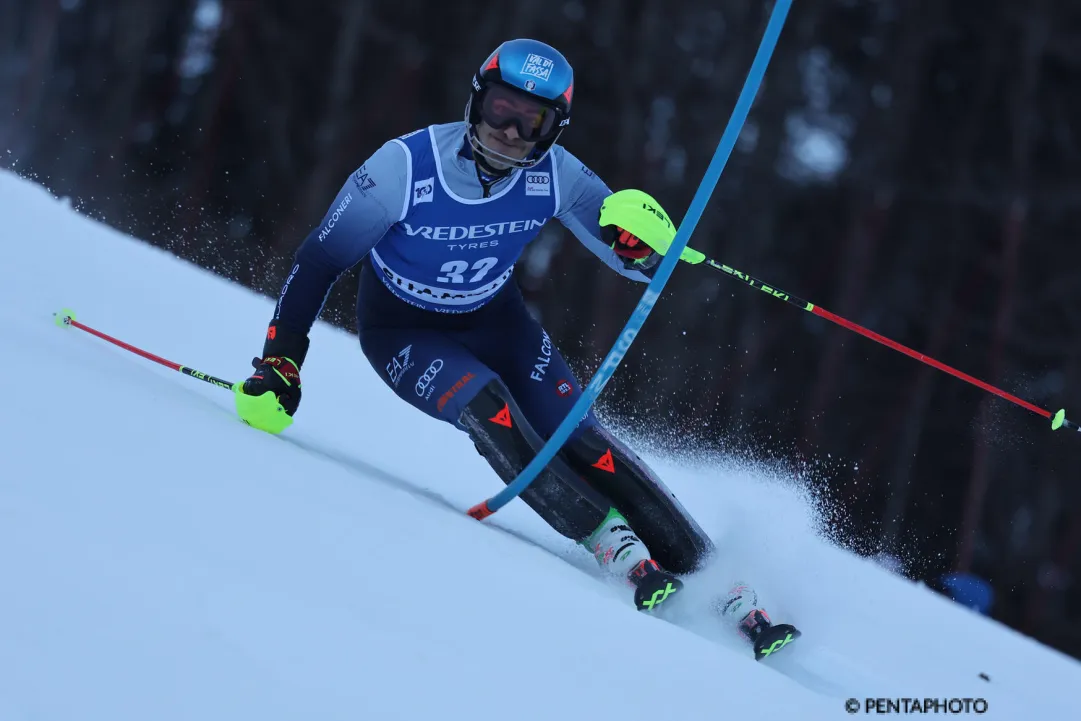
{"points": [[285, 379]]}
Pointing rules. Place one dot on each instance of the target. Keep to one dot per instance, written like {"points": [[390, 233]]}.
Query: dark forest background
{"points": [[909, 164]]}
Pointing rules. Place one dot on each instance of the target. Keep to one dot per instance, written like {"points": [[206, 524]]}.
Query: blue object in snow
{"points": [[969, 590]]}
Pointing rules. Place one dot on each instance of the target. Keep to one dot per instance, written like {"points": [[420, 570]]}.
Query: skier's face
{"points": [[504, 141]]}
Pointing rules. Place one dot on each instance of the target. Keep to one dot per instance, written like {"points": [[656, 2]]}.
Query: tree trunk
{"points": [[328, 173], [918, 401], [19, 136], [1035, 39]]}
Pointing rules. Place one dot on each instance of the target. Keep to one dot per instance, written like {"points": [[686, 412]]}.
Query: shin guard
{"points": [[672, 536], [508, 442]]}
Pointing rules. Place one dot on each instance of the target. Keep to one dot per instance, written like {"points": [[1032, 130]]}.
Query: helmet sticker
{"points": [[538, 66]]}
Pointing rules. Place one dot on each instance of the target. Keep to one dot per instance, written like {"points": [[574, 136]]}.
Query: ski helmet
{"points": [[526, 83]]}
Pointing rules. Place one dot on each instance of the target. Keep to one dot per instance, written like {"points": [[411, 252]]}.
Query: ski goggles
{"points": [[501, 107]]}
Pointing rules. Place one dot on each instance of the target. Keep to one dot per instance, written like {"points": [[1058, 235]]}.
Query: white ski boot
{"points": [[623, 554], [740, 608]]}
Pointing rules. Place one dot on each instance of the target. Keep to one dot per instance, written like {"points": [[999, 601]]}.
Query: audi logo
{"points": [[429, 375], [538, 179]]}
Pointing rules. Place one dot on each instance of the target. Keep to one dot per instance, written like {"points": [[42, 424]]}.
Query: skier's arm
{"points": [[367, 205], [581, 193]]}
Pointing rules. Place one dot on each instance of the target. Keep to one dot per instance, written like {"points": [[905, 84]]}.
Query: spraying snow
{"points": [[160, 560]]}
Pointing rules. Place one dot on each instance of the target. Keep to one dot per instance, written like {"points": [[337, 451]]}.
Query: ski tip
{"points": [[63, 317]]}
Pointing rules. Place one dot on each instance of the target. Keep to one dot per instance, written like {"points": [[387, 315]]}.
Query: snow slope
{"points": [[160, 560]]}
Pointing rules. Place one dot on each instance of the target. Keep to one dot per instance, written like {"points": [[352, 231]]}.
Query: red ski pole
{"points": [[1058, 419], [263, 412], [66, 318]]}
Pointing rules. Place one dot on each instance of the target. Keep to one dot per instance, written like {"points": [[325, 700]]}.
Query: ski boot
{"points": [[622, 554], [652, 585], [754, 623]]}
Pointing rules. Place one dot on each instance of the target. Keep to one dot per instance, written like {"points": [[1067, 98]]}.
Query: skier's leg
{"points": [[508, 442], [675, 539], [677, 542], [545, 388], [404, 344], [434, 373], [425, 368]]}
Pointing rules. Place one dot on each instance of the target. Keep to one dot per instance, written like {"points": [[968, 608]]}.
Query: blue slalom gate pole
{"points": [[664, 271]]}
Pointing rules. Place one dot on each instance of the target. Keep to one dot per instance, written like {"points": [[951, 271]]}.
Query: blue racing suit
{"points": [[416, 209], [441, 320]]}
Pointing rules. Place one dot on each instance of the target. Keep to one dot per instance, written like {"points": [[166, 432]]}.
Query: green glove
{"points": [[268, 399], [638, 213]]}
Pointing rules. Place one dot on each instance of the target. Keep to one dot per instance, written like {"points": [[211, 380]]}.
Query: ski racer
{"points": [[439, 217]]}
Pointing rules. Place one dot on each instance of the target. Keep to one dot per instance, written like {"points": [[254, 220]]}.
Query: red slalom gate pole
{"points": [[66, 319]]}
